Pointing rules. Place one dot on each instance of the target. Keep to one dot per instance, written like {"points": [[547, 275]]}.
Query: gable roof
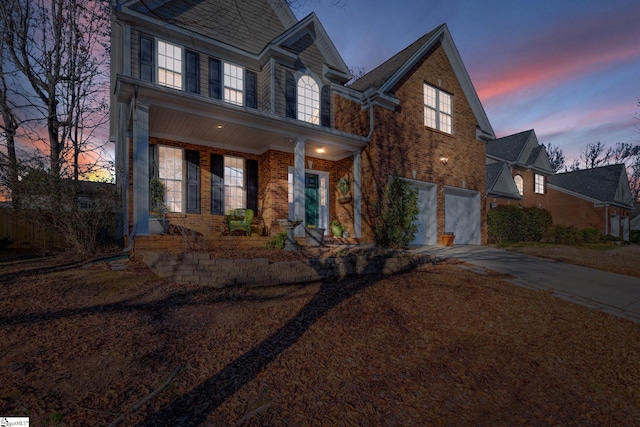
{"points": [[384, 77], [500, 183], [606, 184], [311, 26], [521, 149]]}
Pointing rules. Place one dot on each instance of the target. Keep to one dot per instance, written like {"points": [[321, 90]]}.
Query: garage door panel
{"points": [[462, 215], [427, 220]]}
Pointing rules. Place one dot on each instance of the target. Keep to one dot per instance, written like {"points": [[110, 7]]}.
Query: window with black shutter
{"points": [[290, 95], [251, 90], [215, 78], [192, 72], [145, 59], [217, 184], [193, 181]]}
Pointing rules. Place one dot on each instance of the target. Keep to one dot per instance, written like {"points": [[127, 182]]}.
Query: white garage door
{"points": [[462, 215], [427, 220]]}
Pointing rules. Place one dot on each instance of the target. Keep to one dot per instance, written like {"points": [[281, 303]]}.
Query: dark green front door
{"points": [[312, 202]]}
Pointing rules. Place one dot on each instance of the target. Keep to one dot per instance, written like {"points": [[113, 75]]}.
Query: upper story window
{"points": [[438, 109], [519, 184], [539, 184], [233, 83], [169, 65], [163, 61], [308, 100]]}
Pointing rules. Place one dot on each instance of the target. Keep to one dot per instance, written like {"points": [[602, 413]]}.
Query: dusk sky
{"points": [[569, 69]]}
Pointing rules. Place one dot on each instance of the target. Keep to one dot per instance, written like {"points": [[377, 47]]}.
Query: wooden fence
{"points": [[27, 234]]}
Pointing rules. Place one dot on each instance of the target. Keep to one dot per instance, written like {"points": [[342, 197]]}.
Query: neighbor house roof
{"points": [[386, 76], [521, 149], [606, 184]]}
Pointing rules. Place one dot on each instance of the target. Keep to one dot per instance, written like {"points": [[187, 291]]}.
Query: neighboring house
{"points": [[518, 170], [599, 198], [239, 104]]}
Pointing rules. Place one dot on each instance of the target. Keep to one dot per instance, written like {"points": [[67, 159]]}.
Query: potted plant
{"points": [[344, 188], [158, 224], [337, 228], [448, 238], [313, 235]]}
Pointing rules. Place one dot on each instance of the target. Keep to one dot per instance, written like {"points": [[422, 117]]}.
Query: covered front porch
{"points": [[284, 168]]}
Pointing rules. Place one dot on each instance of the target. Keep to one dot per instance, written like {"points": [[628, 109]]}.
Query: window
{"points": [[308, 100], [437, 109], [233, 183], [169, 65], [539, 184], [519, 184], [170, 173], [233, 83]]}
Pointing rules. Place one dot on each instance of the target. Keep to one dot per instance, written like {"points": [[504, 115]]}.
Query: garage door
{"points": [[462, 215], [427, 220]]}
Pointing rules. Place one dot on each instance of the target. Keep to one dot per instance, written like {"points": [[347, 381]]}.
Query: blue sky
{"points": [[570, 70]]}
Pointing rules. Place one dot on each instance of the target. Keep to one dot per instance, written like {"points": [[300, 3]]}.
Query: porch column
{"points": [[298, 186], [141, 169], [357, 195]]}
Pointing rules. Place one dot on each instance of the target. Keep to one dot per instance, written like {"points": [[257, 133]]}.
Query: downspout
{"points": [[606, 219]]}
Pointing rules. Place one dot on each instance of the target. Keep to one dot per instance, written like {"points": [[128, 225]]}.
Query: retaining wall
{"points": [[201, 268]]}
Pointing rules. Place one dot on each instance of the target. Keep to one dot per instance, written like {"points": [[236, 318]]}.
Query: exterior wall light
{"points": [[444, 160]]}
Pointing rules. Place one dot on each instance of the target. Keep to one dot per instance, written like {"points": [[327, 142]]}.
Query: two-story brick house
{"points": [[239, 104], [518, 171]]}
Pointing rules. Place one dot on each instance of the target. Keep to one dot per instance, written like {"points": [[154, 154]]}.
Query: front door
{"points": [[312, 199]]}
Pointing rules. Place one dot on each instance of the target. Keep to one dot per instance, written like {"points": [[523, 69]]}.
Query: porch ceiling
{"points": [[204, 121]]}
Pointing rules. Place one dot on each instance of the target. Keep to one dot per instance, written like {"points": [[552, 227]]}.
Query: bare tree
{"points": [[58, 47], [556, 157]]}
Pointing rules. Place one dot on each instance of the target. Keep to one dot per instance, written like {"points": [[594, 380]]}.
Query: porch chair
{"points": [[240, 219]]}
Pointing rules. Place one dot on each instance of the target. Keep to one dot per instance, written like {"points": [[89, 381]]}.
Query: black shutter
{"points": [[217, 184], [153, 161], [193, 181], [252, 185], [192, 72], [251, 90], [325, 106], [290, 95], [215, 79], [145, 59]]}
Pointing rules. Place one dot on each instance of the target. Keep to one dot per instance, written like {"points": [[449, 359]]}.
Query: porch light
{"points": [[444, 160], [219, 126], [320, 150]]}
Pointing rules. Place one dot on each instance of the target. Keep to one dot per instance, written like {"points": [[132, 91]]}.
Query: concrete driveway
{"points": [[613, 293]]}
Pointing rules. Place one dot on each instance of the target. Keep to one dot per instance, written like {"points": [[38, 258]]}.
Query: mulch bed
{"points": [[439, 345]]}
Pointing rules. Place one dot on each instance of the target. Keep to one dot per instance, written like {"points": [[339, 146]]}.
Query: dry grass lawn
{"points": [[440, 345]]}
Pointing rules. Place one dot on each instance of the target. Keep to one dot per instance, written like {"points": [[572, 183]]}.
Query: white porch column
{"points": [[141, 169], [298, 186], [357, 195]]}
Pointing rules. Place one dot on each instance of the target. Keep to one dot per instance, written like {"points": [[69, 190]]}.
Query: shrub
{"points": [[397, 227], [567, 235], [634, 236], [5, 242], [505, 224], [591, 235], [277, 241], [536, 224]]}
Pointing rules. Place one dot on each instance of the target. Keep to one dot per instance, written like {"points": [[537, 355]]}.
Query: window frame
{"points": [[308, 99], [538, 183], [237, 88], [230, 199], [167, 178], [435, 116], [171, 66], [519, 186]]}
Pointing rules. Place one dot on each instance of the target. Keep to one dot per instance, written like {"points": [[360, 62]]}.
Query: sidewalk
{"points": [[609, 292]]}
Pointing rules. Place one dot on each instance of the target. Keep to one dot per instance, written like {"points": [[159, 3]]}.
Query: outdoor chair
{"points": [[240, 219]]}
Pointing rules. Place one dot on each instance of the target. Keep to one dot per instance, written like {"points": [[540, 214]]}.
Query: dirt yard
{"points": [[96, 346]]}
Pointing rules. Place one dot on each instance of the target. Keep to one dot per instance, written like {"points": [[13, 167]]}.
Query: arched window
{"points": [[519, 184], [308, 100]]}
